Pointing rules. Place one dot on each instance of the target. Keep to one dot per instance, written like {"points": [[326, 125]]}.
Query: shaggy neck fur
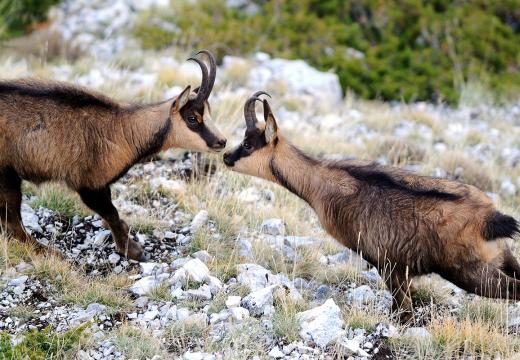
{"points": [[306, 177], [149, 129]]}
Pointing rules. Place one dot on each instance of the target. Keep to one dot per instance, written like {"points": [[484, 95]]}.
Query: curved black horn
{"points": [[249, 109], [201, 97], [212, 70]]}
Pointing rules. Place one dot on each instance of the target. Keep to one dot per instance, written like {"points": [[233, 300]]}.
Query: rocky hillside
{"points": [[239, 268]]}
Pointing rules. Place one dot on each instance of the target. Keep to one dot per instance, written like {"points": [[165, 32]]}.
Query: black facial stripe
{"points": [[208, 136], [192, 110], [255, 138]]}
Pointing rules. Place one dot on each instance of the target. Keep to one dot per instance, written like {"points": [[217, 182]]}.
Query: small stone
{"points": [[239, 313], [386, 330], [150, 315], [168, 235], [322, 292], [300, 241], [23, 267], [419, 333], [144, 285], [182, 314], [351, 347], [150, 268], [203, 256], [273, 227], [254, 276], [196, 270], [322, 324], [101, 237], [202, 293], [362, 295], [18, 281], [114, 258], [200, 220], [233, 301], [178, 263], [141, 302], [96, 308], [258, 301], [214, 284], [276, 353], [223, 315]]}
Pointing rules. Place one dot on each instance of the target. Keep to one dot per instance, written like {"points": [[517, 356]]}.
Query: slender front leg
{"points": [[99, 200], [401, 289]]}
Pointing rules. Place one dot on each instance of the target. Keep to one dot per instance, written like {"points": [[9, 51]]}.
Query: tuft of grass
{"points": [[428, 292], [285, 321], [22, 312], [452, 338], [13, 252], [160, 293], [133, 343], [43, 344], [243, 341], [72, 287], [485, 311], [367, 319], [185, 335], [339, 274], [61, 200]]}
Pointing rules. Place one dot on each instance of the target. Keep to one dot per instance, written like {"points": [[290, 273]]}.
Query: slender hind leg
{"points": [[510, 266], [10, 203], [100, 201], [484, 279]]}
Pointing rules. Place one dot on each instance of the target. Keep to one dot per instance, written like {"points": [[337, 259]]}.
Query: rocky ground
{"points": [[239, 268]]}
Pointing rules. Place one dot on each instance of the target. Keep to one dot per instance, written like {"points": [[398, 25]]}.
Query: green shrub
{"points": [[407, 49], [16, 16], [42, 345]]}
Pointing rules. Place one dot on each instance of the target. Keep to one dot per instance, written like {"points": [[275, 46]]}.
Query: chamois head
{"points": [[253, 154], [190, 112]]}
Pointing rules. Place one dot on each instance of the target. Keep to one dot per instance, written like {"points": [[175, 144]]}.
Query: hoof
{"points": [[134, 251], [143, 258]]}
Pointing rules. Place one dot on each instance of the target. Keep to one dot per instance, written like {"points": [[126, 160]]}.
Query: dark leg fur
{"points": [[401, 288], [10, 203], [100, 201], [485, 280], [511, 267]]}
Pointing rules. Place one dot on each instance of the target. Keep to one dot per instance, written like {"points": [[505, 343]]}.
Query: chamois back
{"points": [[61, 93]]}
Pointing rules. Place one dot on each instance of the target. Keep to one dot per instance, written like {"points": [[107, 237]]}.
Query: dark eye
{"points": [[192, 119], [246, 145]]}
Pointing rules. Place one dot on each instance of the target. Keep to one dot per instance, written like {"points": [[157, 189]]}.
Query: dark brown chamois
{"points": [[404, 224], [54, 131]]}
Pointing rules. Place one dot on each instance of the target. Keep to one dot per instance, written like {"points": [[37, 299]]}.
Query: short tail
{"points": [[498, 225]]}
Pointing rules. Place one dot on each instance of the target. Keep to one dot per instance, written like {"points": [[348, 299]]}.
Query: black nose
{"points": [[227, 160], [220, 144]]}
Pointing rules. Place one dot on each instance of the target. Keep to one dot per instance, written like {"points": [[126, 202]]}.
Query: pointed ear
{"points": [[181, 99], [271, 128]]}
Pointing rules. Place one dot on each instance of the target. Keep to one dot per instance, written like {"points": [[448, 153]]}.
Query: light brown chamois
{"points": [[404, 224], [54, 131]]}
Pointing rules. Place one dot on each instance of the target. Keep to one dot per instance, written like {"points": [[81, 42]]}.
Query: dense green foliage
{"points": [[393, 50], [42, 345], [16, 16]]}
